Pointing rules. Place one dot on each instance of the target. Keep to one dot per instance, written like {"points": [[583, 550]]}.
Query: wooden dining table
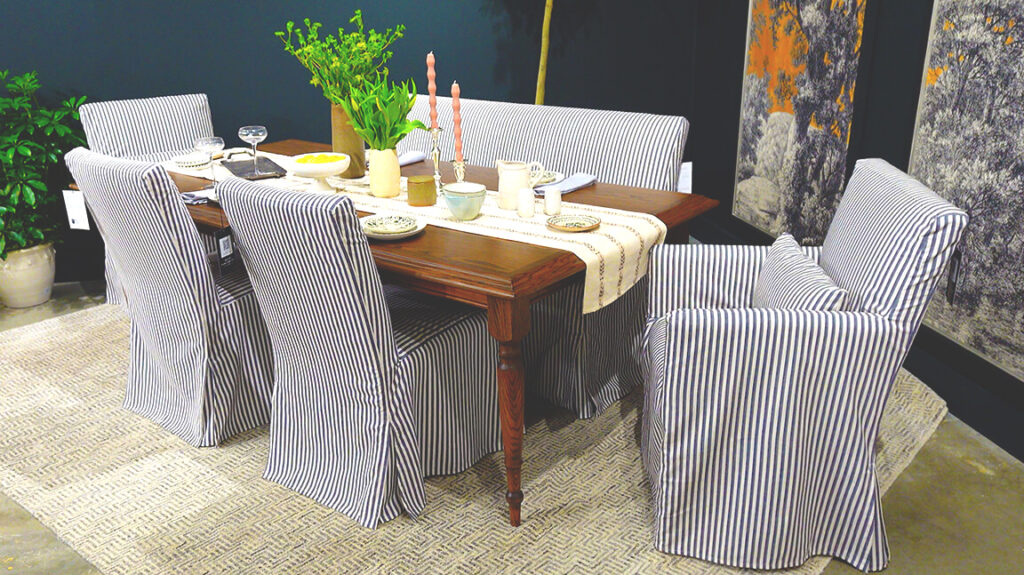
{"points": [[501, 276]]}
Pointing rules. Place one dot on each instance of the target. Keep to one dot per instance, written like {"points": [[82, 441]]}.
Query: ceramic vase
{"points": [[385, 173], [345, 140], [26, 277]]}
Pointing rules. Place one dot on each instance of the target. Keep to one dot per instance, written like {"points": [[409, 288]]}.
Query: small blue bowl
{"points": [[464, 199]]}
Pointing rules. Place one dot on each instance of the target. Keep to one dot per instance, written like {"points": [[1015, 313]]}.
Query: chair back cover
{"points": [[311, 268], [152, 241], [148, 128], [627, 148], [889, 242], [334, 351]]}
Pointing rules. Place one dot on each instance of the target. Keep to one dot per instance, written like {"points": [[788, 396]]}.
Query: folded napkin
{"points": [[199, 197], [570, 184], [411, 158]]}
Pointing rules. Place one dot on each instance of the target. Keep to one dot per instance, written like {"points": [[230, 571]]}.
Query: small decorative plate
{"points": [[193, 160], [550, 177], [573, 223], [391, 226]]}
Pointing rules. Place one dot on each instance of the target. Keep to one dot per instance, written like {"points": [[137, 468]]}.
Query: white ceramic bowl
{"points": [[320, 172]]}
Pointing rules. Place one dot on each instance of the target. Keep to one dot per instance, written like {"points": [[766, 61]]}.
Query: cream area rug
{"points": [[131, 498]]}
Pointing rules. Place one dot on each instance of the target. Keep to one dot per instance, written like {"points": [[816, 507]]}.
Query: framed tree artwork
{"points": [[797, 107], [969, 148]]}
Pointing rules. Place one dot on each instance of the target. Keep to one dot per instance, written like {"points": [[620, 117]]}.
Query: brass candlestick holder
{"points": [[460, 171], [435, 156]]}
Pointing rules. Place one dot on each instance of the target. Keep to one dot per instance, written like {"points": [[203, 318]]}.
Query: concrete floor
{"points": [[958, 508]]}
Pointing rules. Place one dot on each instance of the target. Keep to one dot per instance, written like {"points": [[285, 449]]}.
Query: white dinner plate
{"points": [[373, 232]]}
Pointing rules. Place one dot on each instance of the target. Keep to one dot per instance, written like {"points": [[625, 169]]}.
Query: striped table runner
{"points": [[615, 254]]}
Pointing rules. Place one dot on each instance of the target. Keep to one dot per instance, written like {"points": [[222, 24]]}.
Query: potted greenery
{"points": [[379, 112], [33, 140], [338, 63]]}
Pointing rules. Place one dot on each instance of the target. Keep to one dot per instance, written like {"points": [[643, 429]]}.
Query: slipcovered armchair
{"points": [[759, 424]]}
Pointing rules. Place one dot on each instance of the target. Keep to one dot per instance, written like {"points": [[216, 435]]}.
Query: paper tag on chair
{"points": [[74, 203], [226, 255]]}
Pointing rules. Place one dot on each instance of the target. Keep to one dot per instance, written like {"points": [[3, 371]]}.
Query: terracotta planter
{"points": [[385, 173], [26, 277], [345, 141]]}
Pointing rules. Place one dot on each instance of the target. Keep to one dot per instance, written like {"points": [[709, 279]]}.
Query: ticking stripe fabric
{"points": [[633, 149], [151, 129], [147, 129], [375, 387], [790, 280], [889, 242], [760, 425], [201, 359]]}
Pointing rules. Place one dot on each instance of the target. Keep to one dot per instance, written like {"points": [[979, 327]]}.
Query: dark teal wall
{"points": [[111, 50]]}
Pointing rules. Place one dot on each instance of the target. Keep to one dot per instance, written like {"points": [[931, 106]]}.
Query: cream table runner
{"points": [[615, 253]]}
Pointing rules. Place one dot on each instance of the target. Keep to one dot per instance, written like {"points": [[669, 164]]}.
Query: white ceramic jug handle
{"points": [[536, 172]]}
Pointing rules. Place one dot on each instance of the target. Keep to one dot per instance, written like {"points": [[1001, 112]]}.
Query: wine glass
{"points": [[210, 146], [253, 135]]}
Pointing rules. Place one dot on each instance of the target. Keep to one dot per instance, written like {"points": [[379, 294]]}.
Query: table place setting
{"points": [[614, 244]]}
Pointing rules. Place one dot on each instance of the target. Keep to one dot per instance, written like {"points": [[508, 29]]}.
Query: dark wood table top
{"points": [[469, 267]]}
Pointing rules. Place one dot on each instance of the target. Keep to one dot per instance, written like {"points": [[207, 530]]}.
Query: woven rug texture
{"points": [[133, 499]]}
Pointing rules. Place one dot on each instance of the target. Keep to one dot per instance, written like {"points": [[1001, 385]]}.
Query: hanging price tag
{"points": [[954, 275], [74, 203], [226, 255]]}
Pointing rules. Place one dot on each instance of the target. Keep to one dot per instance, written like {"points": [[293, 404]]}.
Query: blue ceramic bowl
{"points": [[464, 199]]}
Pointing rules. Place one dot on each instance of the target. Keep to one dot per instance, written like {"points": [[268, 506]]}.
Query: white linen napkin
{"points": [[570, 184], [411, 158], [199, 197]]}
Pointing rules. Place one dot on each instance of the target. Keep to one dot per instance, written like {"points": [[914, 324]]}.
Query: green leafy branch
{"points": [[338, 62], [379, 111]]}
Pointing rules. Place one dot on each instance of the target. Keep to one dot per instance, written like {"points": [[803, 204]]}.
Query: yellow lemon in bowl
{"points": [[320, 158]]}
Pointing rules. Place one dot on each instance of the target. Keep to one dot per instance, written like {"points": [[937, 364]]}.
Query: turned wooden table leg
{"points": [[508, 322]]}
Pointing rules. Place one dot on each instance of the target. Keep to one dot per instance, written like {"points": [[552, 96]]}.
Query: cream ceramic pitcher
{"points": [[514, 176]]}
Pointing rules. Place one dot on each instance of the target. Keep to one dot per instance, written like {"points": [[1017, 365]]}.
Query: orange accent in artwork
{"points": [[934, 73], [1009, 40], [949, 25], [776, 50]]}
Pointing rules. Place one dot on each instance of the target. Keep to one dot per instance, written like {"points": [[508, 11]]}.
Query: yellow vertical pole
{"points": [[545, 37]]}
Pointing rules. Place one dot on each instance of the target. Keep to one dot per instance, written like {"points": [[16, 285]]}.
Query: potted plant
{"points": [[379, 112], [338, 63], [33, 140]]}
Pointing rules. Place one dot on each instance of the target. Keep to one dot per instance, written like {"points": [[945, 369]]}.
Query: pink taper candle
{"points": [[457, 120], [432, 90]]}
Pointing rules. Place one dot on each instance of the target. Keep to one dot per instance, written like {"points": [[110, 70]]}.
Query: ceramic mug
{"points": [[514, 176]]}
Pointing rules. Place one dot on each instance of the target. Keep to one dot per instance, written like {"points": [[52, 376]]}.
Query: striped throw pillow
{"points": [[791, 280]]}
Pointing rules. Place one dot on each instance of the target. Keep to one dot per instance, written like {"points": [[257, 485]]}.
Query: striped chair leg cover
{"points": [[759, 425], [374, 388], [146, 129], [582, 363], [200, 354]]}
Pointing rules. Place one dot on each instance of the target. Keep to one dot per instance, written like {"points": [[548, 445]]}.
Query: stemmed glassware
{"points": [[253, 135], [210, 146]]}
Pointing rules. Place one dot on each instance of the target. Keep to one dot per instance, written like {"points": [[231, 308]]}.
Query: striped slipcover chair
{"points": [[759, 425], [200, 354], [148, 129], [583, 363], [375, 387]]}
